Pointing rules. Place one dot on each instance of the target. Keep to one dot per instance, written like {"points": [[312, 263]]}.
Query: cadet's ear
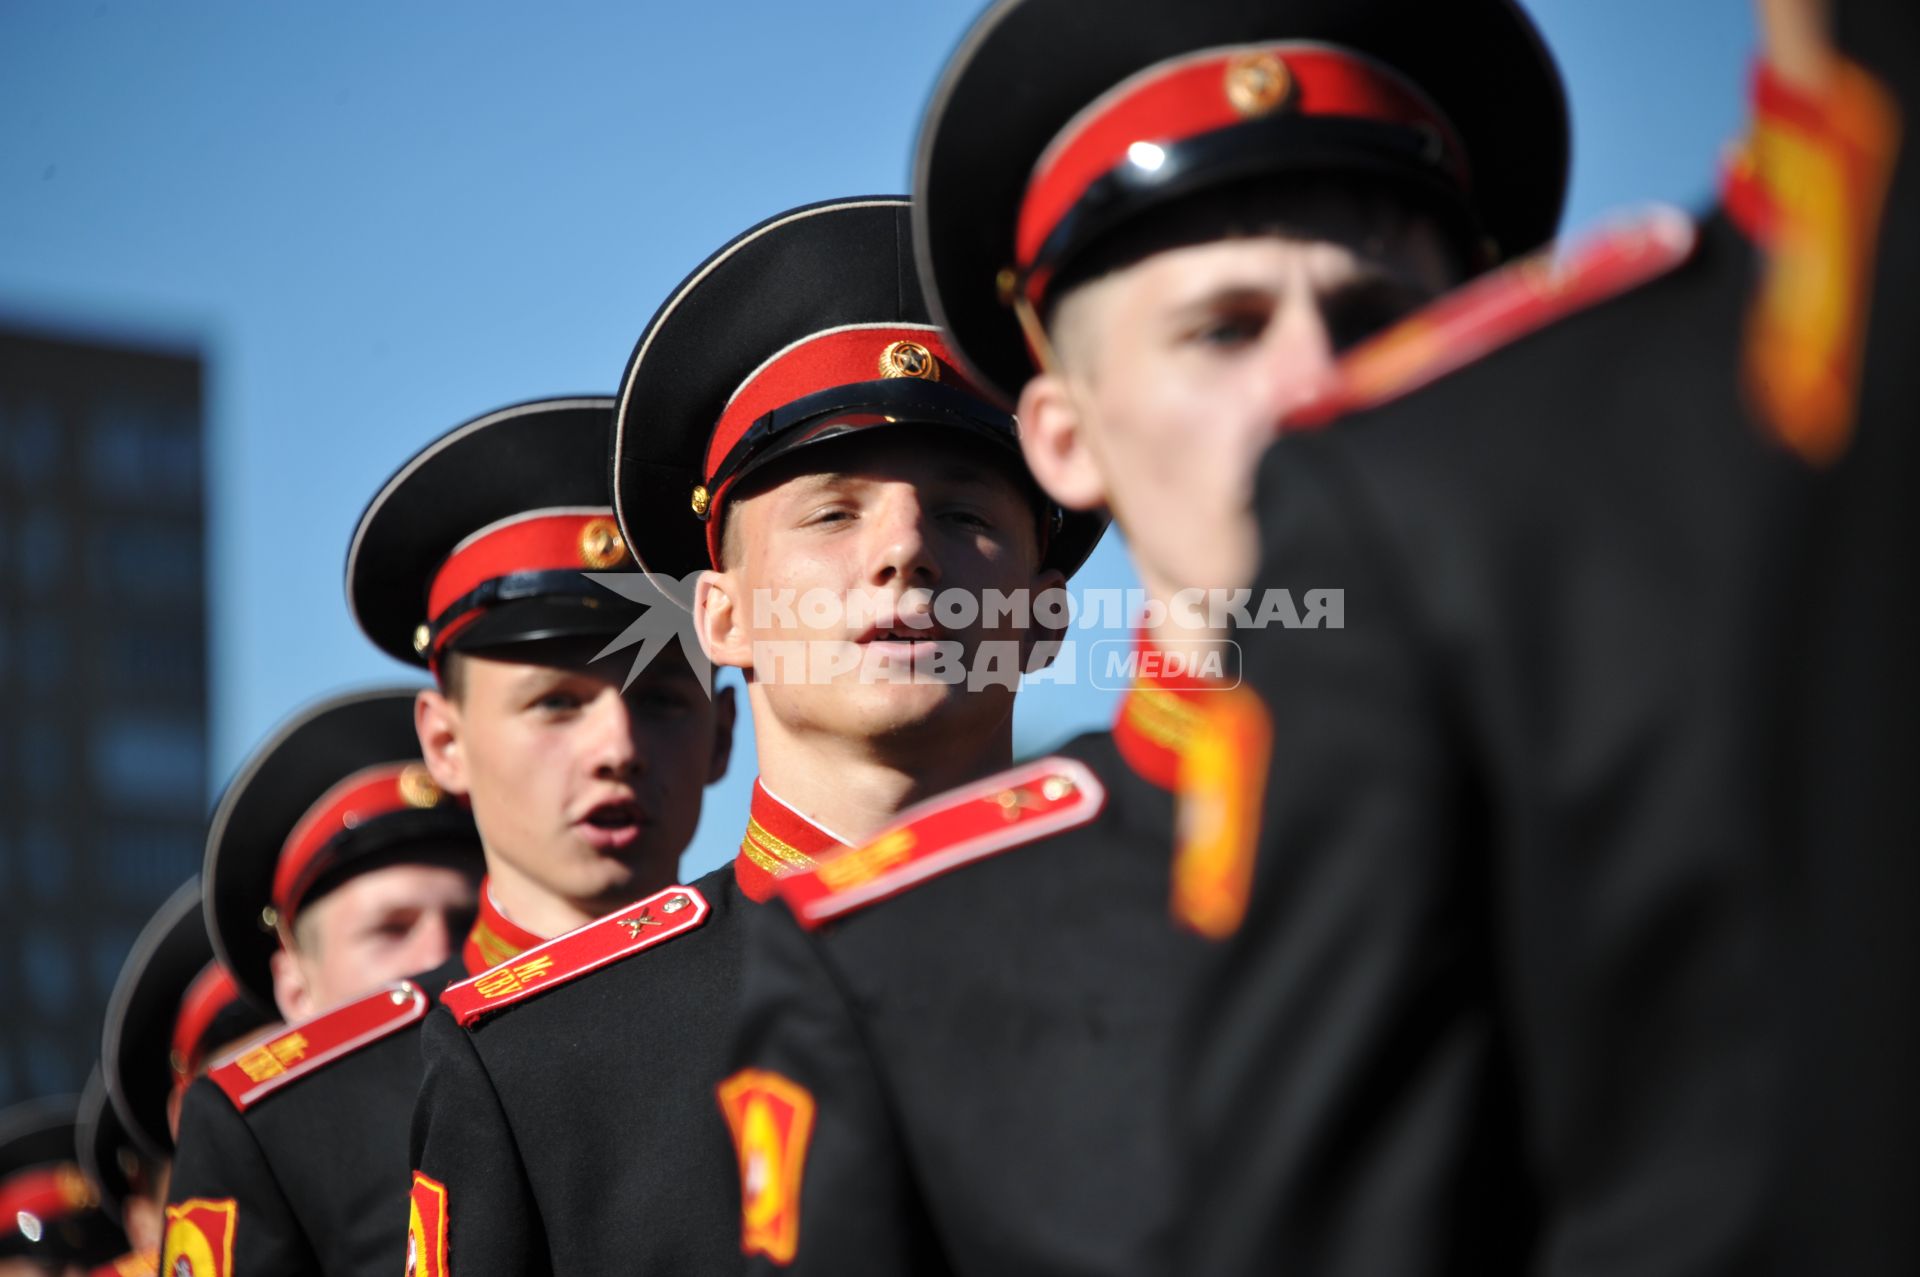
{"points": [[436, 721], [290, 991], [720, 619], [1053, 437]]}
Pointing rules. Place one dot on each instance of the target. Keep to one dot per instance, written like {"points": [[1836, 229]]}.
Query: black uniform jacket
{"points": [[983, 1054], [1520, 987], [575, 1129], [308, 1176]]}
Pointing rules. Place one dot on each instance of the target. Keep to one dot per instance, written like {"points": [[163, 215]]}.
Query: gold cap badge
{"points": [[422, 636], [600, 544], [1258, 84], [702, 500], [909, 359], [417, 786]]}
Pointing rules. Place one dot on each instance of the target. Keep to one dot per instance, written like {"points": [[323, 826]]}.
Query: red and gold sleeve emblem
{"points": [[771, 1118], [199, 1240], [427, 1228]]}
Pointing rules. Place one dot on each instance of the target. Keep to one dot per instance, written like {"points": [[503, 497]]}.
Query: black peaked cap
{"points": [[1028, 67], [304, 757], [539, 455], [840, 263]]}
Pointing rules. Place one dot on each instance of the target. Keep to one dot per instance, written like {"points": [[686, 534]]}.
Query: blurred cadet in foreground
{"points": [[1578, 939]]}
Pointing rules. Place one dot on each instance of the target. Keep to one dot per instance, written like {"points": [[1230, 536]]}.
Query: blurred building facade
{"points": [[103, 676]]}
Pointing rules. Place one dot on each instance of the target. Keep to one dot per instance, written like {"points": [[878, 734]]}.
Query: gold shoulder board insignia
{"points": [[287, 1054], [1016, 807], [620, 934]]}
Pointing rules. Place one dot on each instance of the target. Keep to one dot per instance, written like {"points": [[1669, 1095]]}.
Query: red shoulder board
{"points": [[1009, 810], [270, 1062], [1498, 309], [641, 925]]}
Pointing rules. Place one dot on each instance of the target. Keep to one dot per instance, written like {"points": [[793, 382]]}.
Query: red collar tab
{"points": [[1161, 711], [845, 356], [1809, 187], [574, 539], [1497, 309], [1183, 98], [45, 1193], [211, 992], [494, 937], [368, 794], [285, 1055], [641, 925], [1008, 810], [778, 841]]}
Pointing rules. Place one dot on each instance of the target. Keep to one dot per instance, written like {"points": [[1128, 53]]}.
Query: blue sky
{"points": [[378, 220]]}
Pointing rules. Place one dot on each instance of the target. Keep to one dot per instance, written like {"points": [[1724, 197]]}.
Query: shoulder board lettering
{"points": [[1498, 309], [641, 925], [270, 1062], [1009, 810]]}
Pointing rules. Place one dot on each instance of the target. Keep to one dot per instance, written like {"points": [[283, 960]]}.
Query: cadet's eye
{"points": [[1231, 330], [557, 701]]}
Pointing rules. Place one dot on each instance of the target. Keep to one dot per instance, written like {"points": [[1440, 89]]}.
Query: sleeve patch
{"points": [[1223, 777], [427, 1228], [641, 925], [270, 1062], [771, 1118], [1496, 310], [1009, 810], [199, 1238]]}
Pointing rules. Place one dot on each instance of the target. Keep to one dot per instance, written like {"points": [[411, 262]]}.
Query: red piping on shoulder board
{"points": [[273, 1060], [1497, 310]]}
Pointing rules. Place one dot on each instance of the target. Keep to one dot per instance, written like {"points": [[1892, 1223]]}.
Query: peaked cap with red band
{"points": [[804, 329], [337, 788], [48, 1211], [487, 537], [150, 1017], [1127, 106]]}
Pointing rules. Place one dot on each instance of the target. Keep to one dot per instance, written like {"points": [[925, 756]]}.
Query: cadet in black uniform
{"points": [[476, 560], [1516, 988], [171, 1010], [979, 1040], [570, 1122], [295, 1150], [51, 1222]]}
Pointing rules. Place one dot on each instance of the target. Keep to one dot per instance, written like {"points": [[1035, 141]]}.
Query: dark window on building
{"points": [[35, 443], [143, 452], [150, 761]]}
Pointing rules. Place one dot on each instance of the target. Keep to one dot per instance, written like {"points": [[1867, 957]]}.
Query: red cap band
{"points": [[1203, 92], [837, 357], [211, 992], [363, 796], [45, 1192], [586, 540]]}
